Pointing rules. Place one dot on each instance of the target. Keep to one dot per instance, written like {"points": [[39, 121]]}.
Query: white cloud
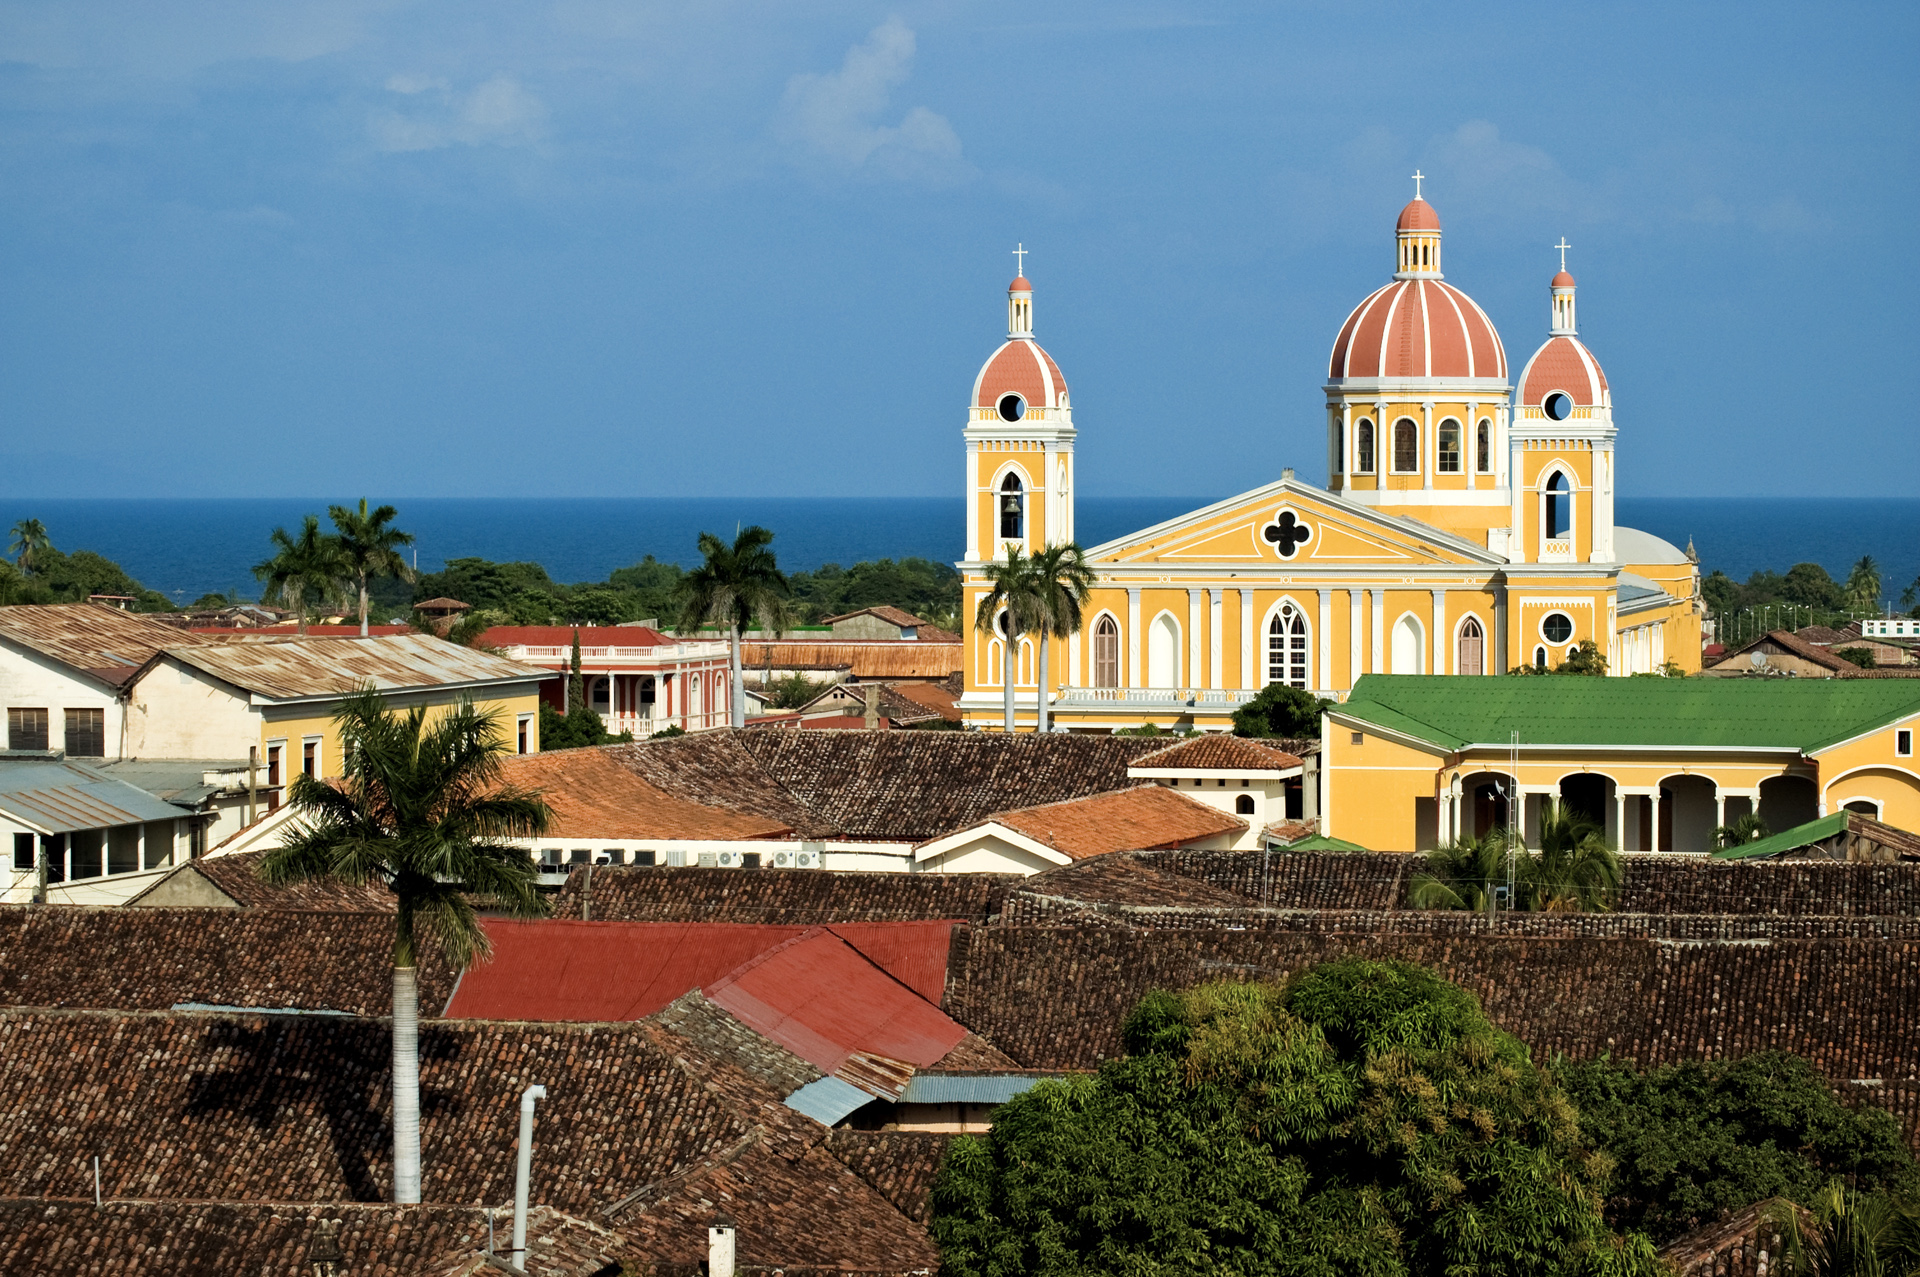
{"points": [[499, 112], [1474, 160], [834, 118]]}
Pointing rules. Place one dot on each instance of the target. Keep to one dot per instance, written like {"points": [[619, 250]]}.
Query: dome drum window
{"points": [[1558, 405], [1483, 447], [1406, 446], [1363, 446], [1012, 407], [1449, 461]]}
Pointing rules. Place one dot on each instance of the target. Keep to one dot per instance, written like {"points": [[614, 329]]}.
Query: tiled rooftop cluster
{"points": [[786, 897], [152, 959], [1748, 1245], [901, 1164], [1055, 997], [882, 786], [238, 876]]}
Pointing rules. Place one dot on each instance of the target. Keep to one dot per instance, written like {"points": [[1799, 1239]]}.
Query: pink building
{"points": [[637, 679]]}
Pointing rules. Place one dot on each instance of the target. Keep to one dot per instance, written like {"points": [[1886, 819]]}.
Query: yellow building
{"points": [[1662, 763], [1466, 526]]}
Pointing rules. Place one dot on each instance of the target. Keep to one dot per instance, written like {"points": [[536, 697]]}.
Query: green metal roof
{"points": [[1320, 843], [1563, 709], [1791, 840]]}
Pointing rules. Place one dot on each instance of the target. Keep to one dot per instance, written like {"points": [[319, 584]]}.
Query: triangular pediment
{"points": [[1319, 528]]}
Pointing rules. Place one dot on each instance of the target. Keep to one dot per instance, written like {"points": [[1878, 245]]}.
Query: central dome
{"points": [[1418, 328]]}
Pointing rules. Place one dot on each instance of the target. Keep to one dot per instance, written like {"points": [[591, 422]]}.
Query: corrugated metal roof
{"points": [[180, 780], [968, 1088], [101, 641], [296, 668], [881, 658], [828, 1101], [59, 796]]}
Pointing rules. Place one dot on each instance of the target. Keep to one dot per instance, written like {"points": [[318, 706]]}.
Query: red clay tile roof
{"points": [[237, 876], [1566, 365], [928, 696], [91, 638], [1214, 751], [1418, 215], [1143, 818], [1020, 366], [891, 615], [796, 897], [1800, 648], [592, 796], [902, 1165]]}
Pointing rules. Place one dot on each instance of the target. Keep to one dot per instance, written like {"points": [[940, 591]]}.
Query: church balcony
{"points": [[1162, 697], [1556, 551]]}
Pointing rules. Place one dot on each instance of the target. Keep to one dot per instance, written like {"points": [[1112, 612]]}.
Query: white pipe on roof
{"points": [[522, 1174]]}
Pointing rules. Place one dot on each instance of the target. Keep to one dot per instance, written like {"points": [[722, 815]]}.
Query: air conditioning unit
{"points": [[807, 859], [783, 860], [729, 859]]}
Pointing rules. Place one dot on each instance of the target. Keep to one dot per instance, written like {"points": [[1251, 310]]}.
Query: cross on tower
{"points": [[1417, 177], [1563, 246], [1020, 261], [1286, 534]]}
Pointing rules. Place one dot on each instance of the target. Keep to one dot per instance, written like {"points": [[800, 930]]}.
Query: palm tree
{"points": [[1576, 870], [370, 545], [1852, 1234], [1015, 589], [1749, 828], [30, 541], [304, 569], [1463, 874], [1863, 586], [422, 810], [1064, 583], [735, 585]]}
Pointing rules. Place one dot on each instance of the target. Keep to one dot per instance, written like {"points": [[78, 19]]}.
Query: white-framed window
{"points": [[1406, 446], [1363, 446], [1557, 628], [310, 760], [1106, 652], [1449, 460], [1557, 506], [523, 733], [1903, 743], [1013, 508], [1483, 446], [1288, 650], [1471, 656]]}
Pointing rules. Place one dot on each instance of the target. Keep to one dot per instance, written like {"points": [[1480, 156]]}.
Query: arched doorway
{"points": [[1483, 798], [1787, 801], [1687, 813], [1591, 795]]}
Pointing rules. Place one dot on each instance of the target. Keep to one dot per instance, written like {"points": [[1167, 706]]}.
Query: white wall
{"points": [[987, 853], [1269, 805], [175, 711], [31, 681]]}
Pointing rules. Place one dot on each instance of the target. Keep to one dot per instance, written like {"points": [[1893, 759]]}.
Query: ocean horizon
{"points": [[190, 546]]}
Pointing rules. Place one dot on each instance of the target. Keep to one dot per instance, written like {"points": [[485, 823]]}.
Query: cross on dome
{"points": [[1417, 178], [1020, 260], [1563, 246]]}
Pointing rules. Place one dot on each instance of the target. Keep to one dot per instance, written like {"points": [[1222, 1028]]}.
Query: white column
{"points": [[1196, 665], [972, 489], [1346, 440], [1719, 807], [1133, 636], [1653, 831], [1214, 672], [1379, 663], [1074, 641], [1470, 444], [1249, 674], [1520, 544], [1323, 676], [1439, 665], [1353, 635], [1429, 446], [1619, 830]]}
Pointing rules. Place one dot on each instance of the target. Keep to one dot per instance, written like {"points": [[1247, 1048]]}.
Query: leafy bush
{"points": [[1366, 1118], [577, 730], [1861, 656], [1280, 710]]}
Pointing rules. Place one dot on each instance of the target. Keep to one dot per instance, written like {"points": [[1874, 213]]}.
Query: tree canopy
{"points": [[1282, 711], [1364, 1118]]}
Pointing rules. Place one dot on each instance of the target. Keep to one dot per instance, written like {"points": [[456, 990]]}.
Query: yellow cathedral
{"points": [[1466, 526]]}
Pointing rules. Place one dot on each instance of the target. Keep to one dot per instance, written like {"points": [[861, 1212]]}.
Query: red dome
{"points": [[1419, 216], [1418, 328], [1020, 367], [1562, 280], [1565, 365], [1019, 285]]}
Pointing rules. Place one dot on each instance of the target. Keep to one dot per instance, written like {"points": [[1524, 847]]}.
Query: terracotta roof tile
{"points": [[237, 876], [1217, 752], [788, 897], [1145, 817], [902, 1165], [593, 796], [891, 615]]}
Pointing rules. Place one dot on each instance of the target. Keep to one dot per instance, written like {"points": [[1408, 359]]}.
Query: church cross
{"points": [[1020, 261], [1417, 177], [1563, 246], [1287, 533]]}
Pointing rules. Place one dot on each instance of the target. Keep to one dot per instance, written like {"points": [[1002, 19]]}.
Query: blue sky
{"points": [[600, 248]]}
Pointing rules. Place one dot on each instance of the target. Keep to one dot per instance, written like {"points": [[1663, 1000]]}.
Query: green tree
{"points": [[1863, 585], [1584, 657], [1576, 871], [1364, 1119], [370, 546], [1808, 585], [1466, 873], [795, 690], [1852, 1234], [735, 585], [1697, 1141], [1749, 828], [304, 570], [1062, 583], [422, 809], [1012, 608], [1280, 710], [1861, 656], [30, 542]]}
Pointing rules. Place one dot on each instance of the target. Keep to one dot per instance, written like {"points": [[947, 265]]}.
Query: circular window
{"points": [[1012, 407], [1558, 406], [1557, 627]]}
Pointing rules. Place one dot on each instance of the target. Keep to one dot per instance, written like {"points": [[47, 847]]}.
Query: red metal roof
{"points": [[820, 998], [914, 953]]}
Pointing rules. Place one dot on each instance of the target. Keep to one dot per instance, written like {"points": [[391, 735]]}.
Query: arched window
{"points": [[1559, 506], [1363, 447], [1106, 653], [1539, 658], [1450, 446], [1483, 447], [1472, 643], [1243, 805], [1406, 447], [1287, 647], [1163, 652], [1013, 509]]}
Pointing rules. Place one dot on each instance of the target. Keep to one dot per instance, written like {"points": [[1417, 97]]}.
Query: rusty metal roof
{"points": [[297, 668], [104, 642], [58, 795]]}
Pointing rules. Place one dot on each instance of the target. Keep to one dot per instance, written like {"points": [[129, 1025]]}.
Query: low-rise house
{"points": [[64, 669], [1033, 839], [637, 679], [899, 704], [1780, 653], [82, 836], [887, 623], [1255, 780]]}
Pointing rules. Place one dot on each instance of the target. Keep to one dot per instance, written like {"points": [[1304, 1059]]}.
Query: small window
{"points": [[613, 856], [1012, 407], [1539, 658], [310, 758], [1339, 448], [525, 725], [1449, 447], [273, 766], [1557, 628], [1903, 743], [581, 856], [1243, 805], [1363, 447], [1558, 406], [1483, 447], [1013, 508], [1356, 738], [1406, 447], [27, 729], [22, 853], [750, 860], [86, 733]]}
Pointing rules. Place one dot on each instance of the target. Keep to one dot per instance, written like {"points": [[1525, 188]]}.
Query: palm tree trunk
{"points": [[1040, 701], [736, 685], [406, 1084], [363, 607], [1008, 660]]}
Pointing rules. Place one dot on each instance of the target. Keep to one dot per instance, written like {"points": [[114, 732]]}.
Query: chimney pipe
{"points": [[518, 1255], [720, 1247]]}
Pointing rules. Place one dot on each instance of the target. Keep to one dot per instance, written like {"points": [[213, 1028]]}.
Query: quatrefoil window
{"points": [[1286, 533]]}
